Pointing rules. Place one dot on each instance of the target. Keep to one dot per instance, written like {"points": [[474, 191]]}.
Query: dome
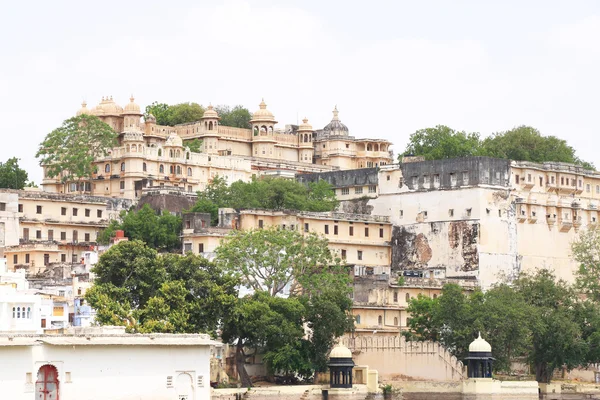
{"points": [[132, 107], [174, 140], [340, 351], [84, 109], [108, 107], [263, 114], [210, 113], [335, 127], [151, 118], [479, 345], [305, 126]]}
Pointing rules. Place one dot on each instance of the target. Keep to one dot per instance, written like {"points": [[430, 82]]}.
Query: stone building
{"points": [[150, 155], [41, 229], [478, 218]]}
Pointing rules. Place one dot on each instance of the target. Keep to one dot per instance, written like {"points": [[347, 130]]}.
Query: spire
{"points": [[305, 120], [335, 114], [262, 104], [132, 99]]}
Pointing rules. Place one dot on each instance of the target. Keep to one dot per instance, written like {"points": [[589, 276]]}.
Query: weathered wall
{"points": [[165, 202], [345, 178]]}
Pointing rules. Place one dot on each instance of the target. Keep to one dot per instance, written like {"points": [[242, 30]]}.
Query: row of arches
{"points": [[262, 130], [173, 169]]}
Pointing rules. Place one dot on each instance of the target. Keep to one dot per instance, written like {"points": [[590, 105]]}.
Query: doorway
{"points": [[46, 386]]}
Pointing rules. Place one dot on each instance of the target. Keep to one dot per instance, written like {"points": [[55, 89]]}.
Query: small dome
{"points": [[84, 109], [305, 126], [210, 113], [108, 107], [479, 345], [335, 127], [263, 114], [151, 119], [132, 107], [340, 351], [174, 140]]}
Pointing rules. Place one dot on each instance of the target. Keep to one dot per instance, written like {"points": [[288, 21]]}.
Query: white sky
{"points": [[391, 66]]}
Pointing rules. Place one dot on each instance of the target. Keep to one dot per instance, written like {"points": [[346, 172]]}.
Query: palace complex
{"points": [[151, 155]]}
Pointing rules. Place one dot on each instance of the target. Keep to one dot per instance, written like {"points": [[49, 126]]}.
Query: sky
{"points": [[391, 67]]}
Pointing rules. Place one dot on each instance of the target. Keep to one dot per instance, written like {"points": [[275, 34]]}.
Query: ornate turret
{"points": [[480, 360], [131, 116], [210, 119], [84, 109], [335, 127], [340, 367]]}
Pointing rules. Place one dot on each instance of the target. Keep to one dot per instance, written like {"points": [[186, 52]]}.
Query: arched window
{"points": [[189, 171], [210, 126], [161, 169], [407, 297], [171, 153], [172, 169], [106, 168], [178, 170], [28, 312], [395, 297], [358, 319], [122, 167], [396, 321], [14, 312], [144, 168], [178, 154], [160, 152], [256, 131], [380, 320], [187, 155]]}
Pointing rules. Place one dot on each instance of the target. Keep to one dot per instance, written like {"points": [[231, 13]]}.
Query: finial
{"points": [[111, 96], [335, 113], [262, 104], [479, 335], [210, 106], [305, 120], [131, 99], [102, 98], [84, 104]]}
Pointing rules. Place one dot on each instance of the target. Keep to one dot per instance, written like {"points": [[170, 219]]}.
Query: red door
{"points": [[46, 386]]}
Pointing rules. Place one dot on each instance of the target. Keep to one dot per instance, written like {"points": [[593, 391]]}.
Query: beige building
{"points": [[151, 155], [476, 219], [51, 228]]}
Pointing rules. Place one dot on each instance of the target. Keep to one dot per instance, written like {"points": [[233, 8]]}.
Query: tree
{"points": [[528, 144], [421, 325], [172, 115], [137, 288], [161, 111], [70, 150], [159, 231], [238, 116], [586, 251], [442, 142], [11, 176], [195, 145]]}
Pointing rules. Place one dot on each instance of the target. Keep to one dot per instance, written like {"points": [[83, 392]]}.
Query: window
{"points": [[75, 236], [372, 189], [436, 179], [528, 177], [359, 255], [401, 214], [517, 179], [468, 212], [20, 207], [106, 168], [87, 212], [380, 232], [86, 237], [451, 212], [74, 258], [38, 234], [396, 296], [144, 168], [335, 229], [366, 232], [189, 171], [25, 234], [358, 190], [452, 178], [345, 191], [75, 212], [380, 320], [414, 180], [541, 181], [465, 178], [38, 209], [63, 258], [396, 321], [161, 169], [122, 167], [425, 214], [26, 258], [351, 231], [306, 227], [588, 188], [389, 177], [63, 236], [122, 185], [99, 213], [573, 183], [260, 223], [358, 319], [327, 229], [63, 211], [597, 189], [407, 297], [343, 254], [580, 183], [2, 206], [50, 234], [15, 259]]}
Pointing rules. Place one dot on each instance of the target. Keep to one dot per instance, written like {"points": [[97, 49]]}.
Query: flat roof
{"points": [[158, 339]]}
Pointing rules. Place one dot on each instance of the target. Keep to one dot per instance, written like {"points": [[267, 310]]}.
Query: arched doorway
{"points": [[185, 387], [46, 386]]}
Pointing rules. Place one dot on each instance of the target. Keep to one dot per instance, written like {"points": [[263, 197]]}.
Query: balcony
{"points": [[551, 187], [550, 220], [565, 225], [577, 222], [532, 218]]}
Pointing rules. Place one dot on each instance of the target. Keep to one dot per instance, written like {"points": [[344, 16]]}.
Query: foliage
{"points": [[195, 145], [586, 251], [442, 142], [268, 193], [137, 288], [69, 151], [237, 116], [522, 143], [174, 114], [11, 176], [387, 389], [159, 231], [421, 325]]}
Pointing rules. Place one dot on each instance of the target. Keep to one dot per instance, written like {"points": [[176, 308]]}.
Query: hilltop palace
{"points": [[151, 155]]}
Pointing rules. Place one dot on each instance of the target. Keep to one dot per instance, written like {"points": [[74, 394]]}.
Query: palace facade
{"points": [[151, 155]]}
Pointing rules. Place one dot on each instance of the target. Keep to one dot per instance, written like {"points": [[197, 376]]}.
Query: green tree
{"points": [[421, 325], [586, 251], [238, 116], [195, 145], [161, 111], [11, 176], [528, 144], [183, 113], [442, 142], [70, 150], [159, 231]]}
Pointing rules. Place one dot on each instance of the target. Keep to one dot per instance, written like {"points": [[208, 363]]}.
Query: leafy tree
{"points": [[528, 144], [70, 150], [195, 145], [237, 116], [442, 142], [421, 325], [137, 288], [161, 111], [11, 176], [160, 232], [175, 114], [586, 251]]}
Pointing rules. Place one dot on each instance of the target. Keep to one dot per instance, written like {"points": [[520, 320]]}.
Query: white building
{"points": [[93, 364], [20, 312]]}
